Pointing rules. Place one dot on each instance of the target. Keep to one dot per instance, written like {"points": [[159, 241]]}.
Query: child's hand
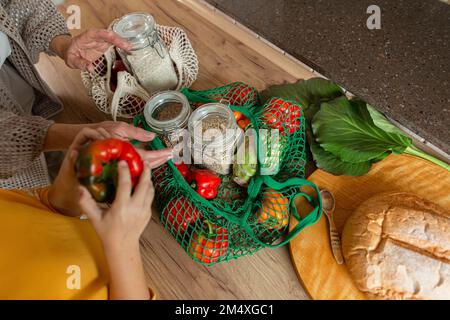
{"points": [[123, 223]]}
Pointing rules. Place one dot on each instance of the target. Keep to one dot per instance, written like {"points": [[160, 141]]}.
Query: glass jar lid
{"points": [[138, 28], [167, 111]]}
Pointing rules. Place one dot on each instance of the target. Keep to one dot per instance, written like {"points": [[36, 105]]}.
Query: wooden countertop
{"points": [[226, 54]]}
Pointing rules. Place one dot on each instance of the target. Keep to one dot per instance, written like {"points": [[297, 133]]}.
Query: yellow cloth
{"points": [[38, 247]]}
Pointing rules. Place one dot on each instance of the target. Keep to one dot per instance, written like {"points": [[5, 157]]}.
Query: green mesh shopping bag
{"points": [[240, 221]]}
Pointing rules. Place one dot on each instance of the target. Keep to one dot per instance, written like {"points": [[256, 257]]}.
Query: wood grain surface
{"points": [[226, 54], [311, 253]]}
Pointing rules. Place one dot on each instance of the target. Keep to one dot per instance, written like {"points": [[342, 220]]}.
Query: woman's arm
{"points": [[44, 29], [127, 278], [60, 136], [43, 23], [24, 138], [21, 141], [60, 44], [120, 228]]}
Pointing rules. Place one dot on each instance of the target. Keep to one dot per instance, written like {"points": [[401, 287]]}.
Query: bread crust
{"points": [[397, 246]]}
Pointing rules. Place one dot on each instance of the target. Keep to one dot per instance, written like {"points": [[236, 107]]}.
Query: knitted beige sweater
{"points": [[30, 26]]}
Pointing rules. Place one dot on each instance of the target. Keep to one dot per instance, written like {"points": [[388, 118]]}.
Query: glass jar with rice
{"points": [[149, 59]]}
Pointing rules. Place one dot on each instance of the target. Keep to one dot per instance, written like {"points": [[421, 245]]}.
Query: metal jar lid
{"points": [[166, 99]]}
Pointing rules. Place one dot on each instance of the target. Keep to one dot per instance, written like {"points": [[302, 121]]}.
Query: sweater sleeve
{"points": [[42, 26], [21, 141]]}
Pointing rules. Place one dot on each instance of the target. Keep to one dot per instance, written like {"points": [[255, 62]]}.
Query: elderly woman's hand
{"points": [[64, 193], [82, 51]]}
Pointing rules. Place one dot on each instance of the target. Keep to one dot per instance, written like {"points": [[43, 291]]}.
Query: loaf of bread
{"points": [[397, 246]]}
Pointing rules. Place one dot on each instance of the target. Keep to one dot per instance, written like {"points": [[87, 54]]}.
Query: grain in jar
{"points": [[215, 136], [167, 114]]}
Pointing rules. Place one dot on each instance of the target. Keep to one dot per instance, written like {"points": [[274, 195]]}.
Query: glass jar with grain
{"points": [[149, 59], [167, 114], [215, 136]]}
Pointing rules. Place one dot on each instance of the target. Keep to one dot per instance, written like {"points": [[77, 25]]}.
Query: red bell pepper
{"points": [[241, 94], [96, 166], [207, 247], [205, 183], [180, 213], [183, 169], [282, 115], [118, 66]]}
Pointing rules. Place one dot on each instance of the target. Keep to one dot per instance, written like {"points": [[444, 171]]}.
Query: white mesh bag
{"points": [[129, 98]]}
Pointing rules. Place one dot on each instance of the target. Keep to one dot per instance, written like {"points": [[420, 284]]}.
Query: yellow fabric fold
{"points": [[45, 255]]}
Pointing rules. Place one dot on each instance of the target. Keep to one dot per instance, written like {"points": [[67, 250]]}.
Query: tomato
{"points": [[238, 115], [241, 94], [241, 120], [243, 124], [282, 115]]}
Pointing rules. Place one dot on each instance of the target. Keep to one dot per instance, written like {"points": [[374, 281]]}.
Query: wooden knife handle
{"points": [[335, 240]]}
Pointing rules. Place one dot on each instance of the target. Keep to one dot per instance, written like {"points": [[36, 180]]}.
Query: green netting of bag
{"points": [[240, 221]]}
